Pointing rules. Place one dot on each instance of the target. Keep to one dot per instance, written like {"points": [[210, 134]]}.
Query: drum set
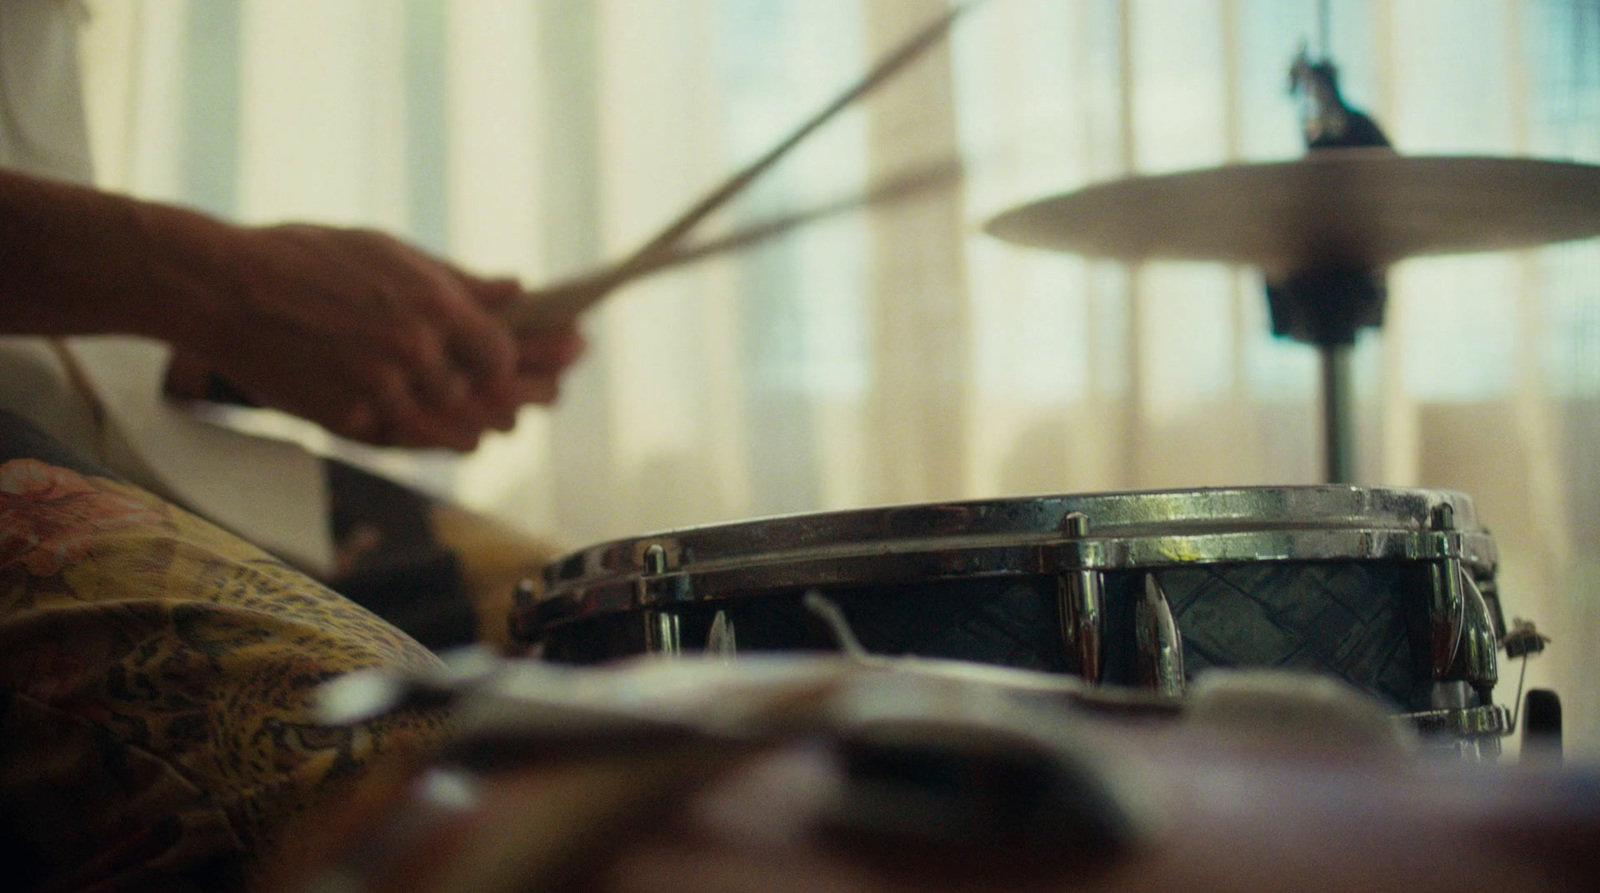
{"points": [[1389, 590], [1075, 691]]}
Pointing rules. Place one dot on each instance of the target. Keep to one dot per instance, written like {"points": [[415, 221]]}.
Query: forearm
{"points": [[350, 328], [74, 260]]}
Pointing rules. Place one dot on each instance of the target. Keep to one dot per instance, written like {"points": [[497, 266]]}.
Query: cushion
{"points": [[156, 677]]}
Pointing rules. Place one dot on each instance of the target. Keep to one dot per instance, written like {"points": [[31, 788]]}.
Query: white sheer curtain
{"points": [[900, 355]]}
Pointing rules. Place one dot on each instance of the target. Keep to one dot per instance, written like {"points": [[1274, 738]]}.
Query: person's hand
{"points": [[371, 339]]}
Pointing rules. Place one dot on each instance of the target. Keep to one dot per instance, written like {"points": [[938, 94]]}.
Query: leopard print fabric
{"points": [[155, 678]]}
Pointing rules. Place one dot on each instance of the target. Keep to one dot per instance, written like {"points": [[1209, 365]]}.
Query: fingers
{"points": [[455, 362], [539, 360], [416, 364], [466, 348], [549, 351], [543, 356]]}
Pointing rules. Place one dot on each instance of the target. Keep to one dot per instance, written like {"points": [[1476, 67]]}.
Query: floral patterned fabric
{"points": [[155, 675]]}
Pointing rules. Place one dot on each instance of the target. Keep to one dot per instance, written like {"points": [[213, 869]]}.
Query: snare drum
{"points": [[1391, 590]]}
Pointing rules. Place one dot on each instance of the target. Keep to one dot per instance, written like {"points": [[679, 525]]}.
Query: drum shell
{"points": [[1362, 622]]}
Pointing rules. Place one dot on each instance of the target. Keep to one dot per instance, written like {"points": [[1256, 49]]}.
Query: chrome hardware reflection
{"points": [[663, 634], [1445, 609], [1160, 645], [1080, 600], [1477, 661], [720, 640]]}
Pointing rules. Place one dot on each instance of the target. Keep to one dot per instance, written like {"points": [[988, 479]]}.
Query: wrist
{"points": [[187, 291]]}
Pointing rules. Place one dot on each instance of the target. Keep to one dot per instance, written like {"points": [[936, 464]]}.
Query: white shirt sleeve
{"points": [[269, 492], [42, 123]]}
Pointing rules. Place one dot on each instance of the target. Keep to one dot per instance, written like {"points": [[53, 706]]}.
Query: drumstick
{"points": [[559, 305], [890, 191]]}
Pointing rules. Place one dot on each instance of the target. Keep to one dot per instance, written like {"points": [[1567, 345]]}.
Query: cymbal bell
{"points": [[1346, 208]]}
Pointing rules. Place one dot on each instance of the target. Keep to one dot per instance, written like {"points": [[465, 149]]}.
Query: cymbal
{"points": [[1332, 208]]}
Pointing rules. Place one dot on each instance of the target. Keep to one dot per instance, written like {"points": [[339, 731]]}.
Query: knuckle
{"points": [[416, 344], [391, 391], [488, 350]]}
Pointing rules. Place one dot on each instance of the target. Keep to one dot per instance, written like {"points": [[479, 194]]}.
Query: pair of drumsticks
{"points": [[564, 301], [559, 304]]}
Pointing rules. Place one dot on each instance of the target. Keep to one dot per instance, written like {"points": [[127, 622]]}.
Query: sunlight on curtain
{"points": [[901, 355]]}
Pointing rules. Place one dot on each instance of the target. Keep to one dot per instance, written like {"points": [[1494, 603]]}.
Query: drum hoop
{"points": [[1132, 513], [1486, 721], [992, 557]]}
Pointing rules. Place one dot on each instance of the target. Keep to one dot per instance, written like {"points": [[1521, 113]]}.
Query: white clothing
{"points": [[269, 492]]}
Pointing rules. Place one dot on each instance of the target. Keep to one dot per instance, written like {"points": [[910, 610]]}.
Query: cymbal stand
{"points": [[1338, 415], [1325, 307]]}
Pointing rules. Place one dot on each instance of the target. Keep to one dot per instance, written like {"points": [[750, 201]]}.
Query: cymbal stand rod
{"points": [[1338, 415]]}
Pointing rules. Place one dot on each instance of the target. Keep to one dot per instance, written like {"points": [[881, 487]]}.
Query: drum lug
{"points": [[653, 561], [523, 621], [1160, 644], [658, 582], [1471, 733], [662, 633], [1476, 659], [1080, 599], [1447, 601]]}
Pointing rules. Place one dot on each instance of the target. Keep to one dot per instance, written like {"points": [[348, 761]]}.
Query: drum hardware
{"points": [[1451, 695], [1395, 588], [1488, 721], [1476, 662], [663, 633], [720, 640], [1448, 603], [824, 609], [662, 630], [1079, 603], [1160, 646], [1523, 640], [1327, 305], [1463, 714], [1464, 717], [1327, 121], [1541, 730], [654, 559], [1323, 229]]}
